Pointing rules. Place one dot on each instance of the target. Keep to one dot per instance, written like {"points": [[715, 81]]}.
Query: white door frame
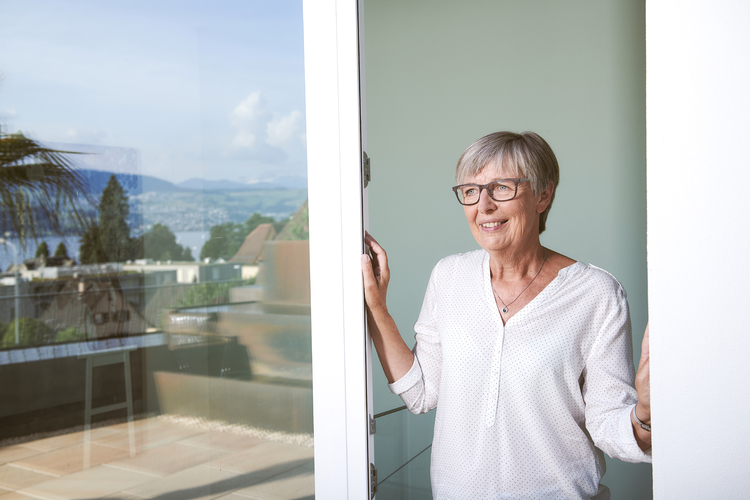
{"points": [[343, 446]]}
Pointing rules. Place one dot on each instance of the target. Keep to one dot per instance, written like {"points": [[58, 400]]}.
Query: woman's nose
{"points": [[486, 203]]}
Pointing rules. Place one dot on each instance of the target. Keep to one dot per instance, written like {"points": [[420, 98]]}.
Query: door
{"points": [[340, 348]]}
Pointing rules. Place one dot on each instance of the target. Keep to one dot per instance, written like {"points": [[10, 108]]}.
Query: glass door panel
{"points": [[155, 317]]}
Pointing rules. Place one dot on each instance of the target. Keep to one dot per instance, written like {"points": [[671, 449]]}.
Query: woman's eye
{"points": [[470, 191], [500, 187]]}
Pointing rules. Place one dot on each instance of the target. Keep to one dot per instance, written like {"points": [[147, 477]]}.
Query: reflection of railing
{"points": [[59, 311], [76, 349]]}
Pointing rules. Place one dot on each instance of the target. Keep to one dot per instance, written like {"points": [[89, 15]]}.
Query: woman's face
{"points": [[505, 225]]}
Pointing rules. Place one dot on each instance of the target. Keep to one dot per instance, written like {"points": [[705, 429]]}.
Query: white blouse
{"points": [[524, 410]]}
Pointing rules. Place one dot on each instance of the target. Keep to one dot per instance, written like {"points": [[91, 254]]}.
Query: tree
{"points": [[114, 232], [39, 188], [42, 250], [225, 239], [298, 227], [91, 250], [161, 244], [256, 220], [62, 251]]}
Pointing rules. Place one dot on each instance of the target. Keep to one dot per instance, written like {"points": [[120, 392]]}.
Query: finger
{"points": [[369, 240], [643, 384], [645, 348], [368, 274], [380, 257]]}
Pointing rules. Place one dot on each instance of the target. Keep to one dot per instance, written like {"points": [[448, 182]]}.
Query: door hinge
{"points": [[372, 425], [373, 480], [365, 168]]}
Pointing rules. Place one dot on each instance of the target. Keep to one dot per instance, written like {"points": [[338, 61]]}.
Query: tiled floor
{"points": [[162, 459]]}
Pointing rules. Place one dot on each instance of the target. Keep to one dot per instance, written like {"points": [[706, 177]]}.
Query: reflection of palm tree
{"points": [[39, 189]]}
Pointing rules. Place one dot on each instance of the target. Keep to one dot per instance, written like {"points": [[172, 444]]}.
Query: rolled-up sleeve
{"points": [[608, 386], [420, 386]]}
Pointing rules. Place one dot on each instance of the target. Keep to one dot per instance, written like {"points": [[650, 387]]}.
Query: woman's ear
{"points": [[545, 198]]}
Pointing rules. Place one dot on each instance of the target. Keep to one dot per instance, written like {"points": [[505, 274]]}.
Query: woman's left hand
{"points": [[643, 387], [643, 382]]}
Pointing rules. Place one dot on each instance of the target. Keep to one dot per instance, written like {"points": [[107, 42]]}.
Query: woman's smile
{"points": [[493, 225]]}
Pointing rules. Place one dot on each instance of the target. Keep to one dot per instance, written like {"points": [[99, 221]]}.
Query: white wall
{"points": [[698, 89]]}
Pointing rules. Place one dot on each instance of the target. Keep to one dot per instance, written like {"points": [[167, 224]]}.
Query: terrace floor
{"points": [[161, 458]]}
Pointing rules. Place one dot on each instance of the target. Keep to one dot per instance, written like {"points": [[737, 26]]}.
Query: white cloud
{"points": [[281, 130], [249, 111], [244, 139], [264, 136], [249, 117]]}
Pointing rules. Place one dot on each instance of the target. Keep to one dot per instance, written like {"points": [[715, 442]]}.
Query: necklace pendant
{"points": [[505, 309]]}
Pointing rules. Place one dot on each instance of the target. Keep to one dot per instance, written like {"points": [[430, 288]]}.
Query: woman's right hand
{"points": [[395, 356], [376, 275]]}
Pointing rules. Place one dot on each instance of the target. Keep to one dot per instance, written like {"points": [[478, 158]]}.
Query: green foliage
{"points": [[114, 232], [256, 220], [225, 239], [298, 227], [61, 251], [39, 188], [70, 334], [91, 250], [210, 293], [109, 240], [31, 332], [42, 250], [161, 244]]}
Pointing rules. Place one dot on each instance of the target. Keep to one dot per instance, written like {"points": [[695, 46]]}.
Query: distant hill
{"points": [[222, 185], [134, 184], [283, 182], [286, 181]]}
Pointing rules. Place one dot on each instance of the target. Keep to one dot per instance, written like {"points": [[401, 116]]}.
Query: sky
{"points": [[211, 90]]}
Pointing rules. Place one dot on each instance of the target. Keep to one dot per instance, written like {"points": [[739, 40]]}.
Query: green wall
{"points": [[439, 75]]}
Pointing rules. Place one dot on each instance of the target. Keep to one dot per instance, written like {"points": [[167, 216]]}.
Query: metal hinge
{"points": [[373, 481], [365, 168], [372, 425]]}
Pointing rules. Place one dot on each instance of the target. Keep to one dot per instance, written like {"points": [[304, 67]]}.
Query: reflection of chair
{"points": [[96, 359]]}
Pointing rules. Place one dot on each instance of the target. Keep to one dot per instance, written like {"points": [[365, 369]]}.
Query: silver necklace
{"points": [[505, 308]]}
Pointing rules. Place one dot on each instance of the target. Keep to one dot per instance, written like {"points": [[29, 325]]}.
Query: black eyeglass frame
{"points": [[489, 192]]}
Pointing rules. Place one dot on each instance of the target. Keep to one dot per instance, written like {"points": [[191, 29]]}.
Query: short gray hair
{"points": [[527, 154]]}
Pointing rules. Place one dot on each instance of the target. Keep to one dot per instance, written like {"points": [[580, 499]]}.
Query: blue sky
{"points": [[213, 90]]}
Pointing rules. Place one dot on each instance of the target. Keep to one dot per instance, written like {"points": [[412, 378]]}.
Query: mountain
{"points": [[281, 182], [134, 184], [287, 181], [222, 185]]}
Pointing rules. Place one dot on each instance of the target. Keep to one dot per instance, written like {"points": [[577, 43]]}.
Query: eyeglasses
{"points": [[499, 190]]}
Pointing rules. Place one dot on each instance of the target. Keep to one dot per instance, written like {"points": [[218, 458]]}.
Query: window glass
{"points": [[154, 268]]}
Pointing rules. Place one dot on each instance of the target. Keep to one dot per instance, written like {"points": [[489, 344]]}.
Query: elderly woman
{"points": [[525, 353]]}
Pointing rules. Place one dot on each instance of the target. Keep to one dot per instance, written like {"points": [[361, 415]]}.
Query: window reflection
{"points": [[154, 262]]}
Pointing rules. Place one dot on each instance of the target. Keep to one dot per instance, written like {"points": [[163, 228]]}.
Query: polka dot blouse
{"points": [[524, 410]]}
